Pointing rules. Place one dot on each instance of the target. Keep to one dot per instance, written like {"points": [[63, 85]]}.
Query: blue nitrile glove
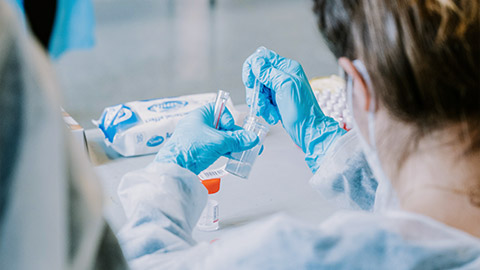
{"points": [[196, 144], [286, 95]]}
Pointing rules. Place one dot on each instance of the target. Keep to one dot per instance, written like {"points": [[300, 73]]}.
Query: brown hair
{"points": [[423, 57]]}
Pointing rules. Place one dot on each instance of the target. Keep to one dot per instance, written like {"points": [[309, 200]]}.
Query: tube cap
{"points": [[212, 185]]}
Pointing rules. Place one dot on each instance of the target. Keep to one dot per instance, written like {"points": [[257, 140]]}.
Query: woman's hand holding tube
{"points": [[286, 95]]}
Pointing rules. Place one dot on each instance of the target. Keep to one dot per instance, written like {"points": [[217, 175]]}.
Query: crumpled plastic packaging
{"points": [[142, 127]]}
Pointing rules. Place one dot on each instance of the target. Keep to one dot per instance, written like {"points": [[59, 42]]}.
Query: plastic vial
{"points": [[210, 218], [220, 104], [240, 163]]}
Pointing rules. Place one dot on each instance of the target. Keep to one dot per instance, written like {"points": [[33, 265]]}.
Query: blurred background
{"points": [[159, 48]]}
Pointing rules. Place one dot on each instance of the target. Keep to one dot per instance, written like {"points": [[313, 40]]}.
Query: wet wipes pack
{"points": [[142, 127]]}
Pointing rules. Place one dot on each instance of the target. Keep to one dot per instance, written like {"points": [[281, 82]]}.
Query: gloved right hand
{"points": [[286, 95]]}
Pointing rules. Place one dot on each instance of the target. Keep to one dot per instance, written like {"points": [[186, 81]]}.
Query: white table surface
{"points": [[278, 183]]}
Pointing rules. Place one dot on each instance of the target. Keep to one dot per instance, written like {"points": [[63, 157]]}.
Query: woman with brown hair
{"points": [[413, 86], [409, 167]]}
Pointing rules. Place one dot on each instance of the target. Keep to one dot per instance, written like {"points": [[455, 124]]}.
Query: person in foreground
{"points": [[409, 167]]}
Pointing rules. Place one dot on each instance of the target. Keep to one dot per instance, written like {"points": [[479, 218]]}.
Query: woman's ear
{"points": [[360, 88]]}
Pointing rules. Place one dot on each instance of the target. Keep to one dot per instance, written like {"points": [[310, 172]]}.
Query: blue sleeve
{"points": [[344, 175], [73, 28]]}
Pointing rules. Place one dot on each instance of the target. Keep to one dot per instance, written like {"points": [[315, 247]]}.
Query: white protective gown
{"points": [[163, 202]]}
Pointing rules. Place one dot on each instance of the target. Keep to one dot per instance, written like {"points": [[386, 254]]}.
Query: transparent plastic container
{"points": [[240, 163]]}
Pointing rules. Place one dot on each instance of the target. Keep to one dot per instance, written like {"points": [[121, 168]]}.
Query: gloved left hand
{"points": [[196, 144]]}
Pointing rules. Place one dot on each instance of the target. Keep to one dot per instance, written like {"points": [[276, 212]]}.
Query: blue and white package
{"points": [[142, 127]]}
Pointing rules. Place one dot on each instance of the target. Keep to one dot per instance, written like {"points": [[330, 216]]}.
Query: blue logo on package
{"points": [[167, 106], [155, 141], [123, 118]]}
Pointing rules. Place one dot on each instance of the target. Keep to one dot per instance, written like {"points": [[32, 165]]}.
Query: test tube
{"points": [[240, 163], [209, 219], [220, 103]]}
